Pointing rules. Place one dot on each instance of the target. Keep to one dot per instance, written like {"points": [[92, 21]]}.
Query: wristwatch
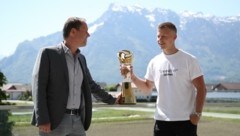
{"points": [[199, 114]]}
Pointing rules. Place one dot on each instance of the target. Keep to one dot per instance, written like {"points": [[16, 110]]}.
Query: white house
{"points": [[15, 90]]}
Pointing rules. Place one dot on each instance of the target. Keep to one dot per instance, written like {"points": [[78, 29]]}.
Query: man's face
{"points": [[82, 35], [166, 38]]}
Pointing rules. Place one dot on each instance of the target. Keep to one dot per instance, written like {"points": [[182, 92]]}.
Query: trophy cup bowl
{"points": [[125, 58]]}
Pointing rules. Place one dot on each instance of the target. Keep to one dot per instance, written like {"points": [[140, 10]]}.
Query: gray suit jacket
{"points": [[50, 88]]}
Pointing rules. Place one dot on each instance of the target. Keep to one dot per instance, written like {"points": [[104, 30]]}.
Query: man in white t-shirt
{"points": [[180, 85]]}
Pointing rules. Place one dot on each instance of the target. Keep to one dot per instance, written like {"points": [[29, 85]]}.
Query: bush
{"points": [[26, 96], [5, 125]]}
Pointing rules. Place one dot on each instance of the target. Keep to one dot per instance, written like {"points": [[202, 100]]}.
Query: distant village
{"points": [[17, 90]]}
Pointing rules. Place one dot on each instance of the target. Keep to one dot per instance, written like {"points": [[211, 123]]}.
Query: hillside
{"points": [[215, 41]]}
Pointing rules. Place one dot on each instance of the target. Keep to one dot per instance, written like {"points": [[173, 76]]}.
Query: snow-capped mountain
{"points": [[215, 41]]}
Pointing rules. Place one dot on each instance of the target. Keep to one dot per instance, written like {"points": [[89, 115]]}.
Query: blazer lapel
{"points": [[64, 63]]}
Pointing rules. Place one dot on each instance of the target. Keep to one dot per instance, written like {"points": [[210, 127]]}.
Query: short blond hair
{"points": [[168, 25]]}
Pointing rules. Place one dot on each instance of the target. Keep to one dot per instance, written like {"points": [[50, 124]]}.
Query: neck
{"points": [[71, 47], [170, 51]]}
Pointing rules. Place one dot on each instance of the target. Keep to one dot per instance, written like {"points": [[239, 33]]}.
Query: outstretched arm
{"points": [[144, 85]]}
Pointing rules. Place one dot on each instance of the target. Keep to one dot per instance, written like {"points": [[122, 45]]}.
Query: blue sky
{"points": [[28, 19]]}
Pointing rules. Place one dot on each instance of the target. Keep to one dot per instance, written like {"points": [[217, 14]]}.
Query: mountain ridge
{"points": [[213, 40]]}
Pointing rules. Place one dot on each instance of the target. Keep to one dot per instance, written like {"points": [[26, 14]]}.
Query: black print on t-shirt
{"points": [[168, 72]]}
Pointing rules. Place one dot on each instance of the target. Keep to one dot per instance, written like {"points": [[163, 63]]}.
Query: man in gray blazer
{"points": [[62, 85]]}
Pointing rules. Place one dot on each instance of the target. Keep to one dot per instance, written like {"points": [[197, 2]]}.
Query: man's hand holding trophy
{"points": [[125, 58]]}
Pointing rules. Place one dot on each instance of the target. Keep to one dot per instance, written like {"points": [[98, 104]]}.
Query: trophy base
{"points": [[128, 101], [128, 97]]}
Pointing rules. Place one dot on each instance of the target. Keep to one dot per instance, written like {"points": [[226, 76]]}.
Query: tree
{"points": [[26, 96], [3, 81], [5, 125]]}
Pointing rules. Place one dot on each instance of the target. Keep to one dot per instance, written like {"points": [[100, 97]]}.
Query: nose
{"points": [[160, 37]]}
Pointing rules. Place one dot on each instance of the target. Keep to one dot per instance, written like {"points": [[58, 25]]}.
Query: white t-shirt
{"points": [[172, 76]]}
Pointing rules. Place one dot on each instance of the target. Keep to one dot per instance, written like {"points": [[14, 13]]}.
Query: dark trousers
{"points": [[174, 128]]}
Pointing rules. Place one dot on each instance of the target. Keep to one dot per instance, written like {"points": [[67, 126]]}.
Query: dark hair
{"points": [[72, 22], [168, 25]]}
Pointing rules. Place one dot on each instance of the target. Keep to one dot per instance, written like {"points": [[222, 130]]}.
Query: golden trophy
{"points": [[125, 58]]}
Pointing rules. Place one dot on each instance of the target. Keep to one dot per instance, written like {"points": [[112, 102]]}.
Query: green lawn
{"points": [[100, 115], [106, 115], [232, 108]]}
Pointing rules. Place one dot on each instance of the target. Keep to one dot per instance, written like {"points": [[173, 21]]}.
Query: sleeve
{"points": [[149, 72], [195, 70], [39, 87]]}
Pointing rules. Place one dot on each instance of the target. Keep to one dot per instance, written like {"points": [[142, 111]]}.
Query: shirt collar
{"points": [[67, 50]]}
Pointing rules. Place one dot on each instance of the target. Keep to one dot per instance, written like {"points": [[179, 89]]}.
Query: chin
{"points": [[162, 46]]}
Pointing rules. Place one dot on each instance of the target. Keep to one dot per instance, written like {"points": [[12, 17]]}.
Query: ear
{"points": [[175, 37], [73, 31]]}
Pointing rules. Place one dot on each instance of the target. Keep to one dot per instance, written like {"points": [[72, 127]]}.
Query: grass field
{"points": [[107, 122], [223, 107]]}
